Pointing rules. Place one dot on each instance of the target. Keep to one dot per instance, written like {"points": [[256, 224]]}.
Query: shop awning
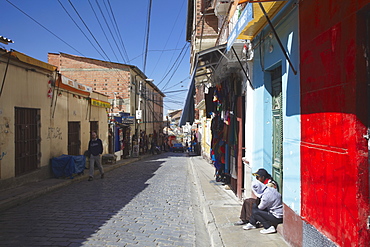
{"points": [[205, 63], [189, 107], [72, 86], [99, 103], [252, 19]]}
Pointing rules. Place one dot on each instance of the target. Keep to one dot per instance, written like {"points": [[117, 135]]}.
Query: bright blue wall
{"points": [[287, 29]]}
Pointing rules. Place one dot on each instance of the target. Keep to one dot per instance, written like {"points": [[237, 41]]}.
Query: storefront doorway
{"points": [[74, 142], [27, 140], [277, 126]]}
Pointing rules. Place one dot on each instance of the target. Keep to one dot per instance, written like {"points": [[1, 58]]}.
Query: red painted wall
{"points": [[334, 158]]}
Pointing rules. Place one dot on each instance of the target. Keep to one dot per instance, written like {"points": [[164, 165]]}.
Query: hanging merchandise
{"points": [[222, 101], [209, 101]]}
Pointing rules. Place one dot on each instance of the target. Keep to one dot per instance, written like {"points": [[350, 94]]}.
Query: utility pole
{"points": [[145, 108], [150, 81], [135, 108], [153, 112], [139, 117]]}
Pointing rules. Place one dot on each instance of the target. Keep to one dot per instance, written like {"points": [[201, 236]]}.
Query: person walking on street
{"points": [[95, 149]]}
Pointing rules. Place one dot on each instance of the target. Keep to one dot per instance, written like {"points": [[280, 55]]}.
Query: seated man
{"points": [[269, 211], [264, 177]]}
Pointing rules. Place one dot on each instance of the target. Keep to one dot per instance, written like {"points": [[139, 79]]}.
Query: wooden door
{"points": [[74, 142]]}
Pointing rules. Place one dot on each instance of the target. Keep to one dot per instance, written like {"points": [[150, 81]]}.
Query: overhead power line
{"points": [[78, 14], [44, 27], [173, 65], [147, 35], [88, 39], [169, 35], [175, 91], [177, 63], [119, 33], [110, 31], [101, 27]]}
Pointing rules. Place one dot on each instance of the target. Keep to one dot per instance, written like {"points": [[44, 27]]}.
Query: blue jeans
{"points": [[266, 218]]}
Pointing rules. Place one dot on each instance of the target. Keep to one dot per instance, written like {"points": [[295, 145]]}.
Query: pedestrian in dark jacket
{"points": [[95, 149]]}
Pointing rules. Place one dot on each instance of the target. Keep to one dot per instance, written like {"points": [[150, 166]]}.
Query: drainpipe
{"points": [[239, 183], [6, 71]]}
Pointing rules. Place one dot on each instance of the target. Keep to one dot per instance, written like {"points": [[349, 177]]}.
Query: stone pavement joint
{"points": [[208, 217]]}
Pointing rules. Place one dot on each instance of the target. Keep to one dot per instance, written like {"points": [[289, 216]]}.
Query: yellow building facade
{"points": [[43, 115]]}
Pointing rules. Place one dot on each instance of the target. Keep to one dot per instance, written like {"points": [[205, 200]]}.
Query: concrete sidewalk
{"points": [[221, 208]]}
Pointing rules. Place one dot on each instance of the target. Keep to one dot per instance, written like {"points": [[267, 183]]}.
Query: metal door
{"points": [[94, 126], [277, 125], [27, 140], [74, 143]]}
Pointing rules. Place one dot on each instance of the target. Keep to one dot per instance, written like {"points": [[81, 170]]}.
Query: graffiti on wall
{"points": [[2, 155], [54, 133]]}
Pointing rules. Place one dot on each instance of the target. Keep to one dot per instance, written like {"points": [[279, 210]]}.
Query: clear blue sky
{"points": [[166, 36]]}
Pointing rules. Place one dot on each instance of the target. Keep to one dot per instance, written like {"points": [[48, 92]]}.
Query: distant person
{"points": [[95, 149], [152, 146]]}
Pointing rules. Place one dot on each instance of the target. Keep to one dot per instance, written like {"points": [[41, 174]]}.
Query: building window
{"points": [[106, 84]]}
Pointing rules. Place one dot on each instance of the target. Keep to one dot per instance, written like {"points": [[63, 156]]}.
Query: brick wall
{"points": [[103, 77], [210, 26]]}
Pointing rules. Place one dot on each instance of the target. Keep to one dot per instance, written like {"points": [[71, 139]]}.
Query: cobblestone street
{"points": [[146, 203]]}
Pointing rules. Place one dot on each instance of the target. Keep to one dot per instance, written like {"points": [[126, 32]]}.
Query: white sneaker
{"points": [[269, 230], [240, 222], [249, 226]]}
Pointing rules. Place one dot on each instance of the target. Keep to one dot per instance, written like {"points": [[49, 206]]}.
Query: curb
{"points": [[208, 217], [30, 194]]}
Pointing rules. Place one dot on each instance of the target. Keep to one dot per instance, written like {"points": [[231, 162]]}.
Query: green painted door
{"points": [[277, 125]]}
